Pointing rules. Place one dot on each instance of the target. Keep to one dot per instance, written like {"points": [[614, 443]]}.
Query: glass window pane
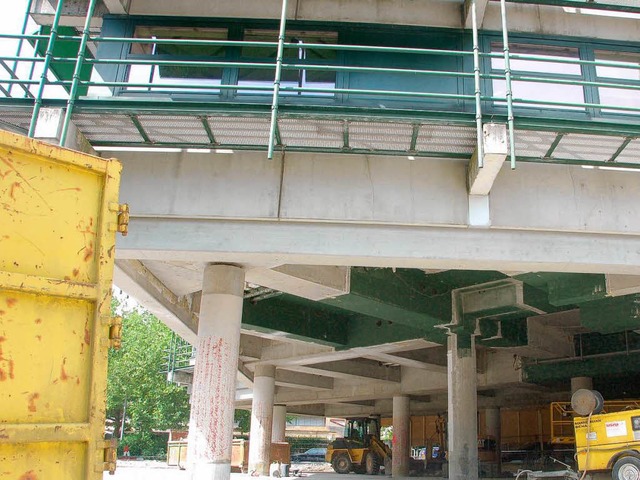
{"points": [[548, 51], [619, 97], [540, 92], [631, 59]]}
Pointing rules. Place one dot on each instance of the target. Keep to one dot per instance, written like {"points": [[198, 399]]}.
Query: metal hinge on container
{"points": [[110, 456], [115, 332], [122, 209]]}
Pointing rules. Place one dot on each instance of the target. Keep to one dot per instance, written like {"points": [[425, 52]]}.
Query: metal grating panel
{"points": [[174, 129], [595, 148], [107, 128], [631, 153], [446, 139], [380, 136], [533, 144], [240, 130], [298, 132], [19, 118]]}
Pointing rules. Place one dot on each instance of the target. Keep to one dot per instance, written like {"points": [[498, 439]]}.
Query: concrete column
{"points": [[264, 385], [214, 380], [279, 427], [581, 382], [401, 437], [462, 408], [493, 429]]}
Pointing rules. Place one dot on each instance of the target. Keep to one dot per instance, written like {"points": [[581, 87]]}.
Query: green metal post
{"points": [[21, 40], [507, 75], [45, 68], [476, 75], [73, 92], [276, 81]]}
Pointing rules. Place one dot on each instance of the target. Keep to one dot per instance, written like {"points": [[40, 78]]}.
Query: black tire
{"points": [[341, 463], [626, 468], [371, 464]]}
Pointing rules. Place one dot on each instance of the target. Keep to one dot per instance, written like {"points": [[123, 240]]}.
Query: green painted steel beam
{"points": [[297, 318], [567, 289], [596, 367], [612, 314]]}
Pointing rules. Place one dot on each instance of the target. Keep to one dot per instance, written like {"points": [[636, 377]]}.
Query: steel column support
{"points": [[73, 91], [276, 81], [45, 69]]}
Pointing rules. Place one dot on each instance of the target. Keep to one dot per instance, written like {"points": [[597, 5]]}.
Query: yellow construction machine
{"points": [[361, 450], [606, 441]]}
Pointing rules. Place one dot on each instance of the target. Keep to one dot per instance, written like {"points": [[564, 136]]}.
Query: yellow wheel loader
{"points": [[361, 450]]}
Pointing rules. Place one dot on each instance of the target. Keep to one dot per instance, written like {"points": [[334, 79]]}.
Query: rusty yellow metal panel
{"points": [[58, 219]]}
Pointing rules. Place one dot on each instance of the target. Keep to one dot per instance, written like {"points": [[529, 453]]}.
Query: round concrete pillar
{"points": [[279, 427], [261, 419], [463, 408], [214, 379], [401, 443], [581, 382]]}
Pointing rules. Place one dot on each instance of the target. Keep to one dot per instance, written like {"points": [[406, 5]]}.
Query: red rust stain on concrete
{"points": [[32, 401], [11, 302]]}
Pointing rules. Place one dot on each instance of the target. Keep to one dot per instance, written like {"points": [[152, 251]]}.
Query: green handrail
{"points": [[76, 72], [509, 91], [276, 81], [21, 40], [476, 83], [45, 69]]}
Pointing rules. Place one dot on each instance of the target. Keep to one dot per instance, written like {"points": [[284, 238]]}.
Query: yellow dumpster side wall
{"points": [[58, 217]]}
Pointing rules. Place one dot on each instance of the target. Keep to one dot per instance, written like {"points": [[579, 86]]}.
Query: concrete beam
{"points": [[359, 368], [117, 7], [480, 179], [618, 285], [74, 13], [174, 311], [291, 379], [406, 362], [49, 128], [216, 240], [481, 7], [306, 281]]}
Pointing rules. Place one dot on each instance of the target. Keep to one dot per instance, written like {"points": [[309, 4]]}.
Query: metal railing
{"points": [[180, 355], [477, 98]]}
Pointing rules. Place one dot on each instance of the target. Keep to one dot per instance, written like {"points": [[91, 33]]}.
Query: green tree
{"points": [[137, 388]]}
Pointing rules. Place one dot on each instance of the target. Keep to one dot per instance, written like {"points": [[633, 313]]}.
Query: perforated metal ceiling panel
{"points": [[176, 129], [107, 128], [300, 132], [533, 144], [380, 136], [587, 147], [240, 130], [446, 139]]}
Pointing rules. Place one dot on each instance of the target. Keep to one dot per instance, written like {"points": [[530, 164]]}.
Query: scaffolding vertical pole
{"points": [[476, 79], [20, 42], [276, 81], [509, 90], [45, 69], [73, 92]]}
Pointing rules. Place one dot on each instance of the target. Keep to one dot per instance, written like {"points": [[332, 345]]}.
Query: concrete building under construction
{"points": [[365, 207]]}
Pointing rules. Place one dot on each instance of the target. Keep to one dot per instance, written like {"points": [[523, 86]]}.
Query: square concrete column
{"points": [[214, 380], [463, 408], [493, 429], [401, 444], [279, 427], [264, 385]]}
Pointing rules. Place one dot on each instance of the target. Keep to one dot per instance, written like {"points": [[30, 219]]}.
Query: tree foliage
{"points": [[137, 387]]}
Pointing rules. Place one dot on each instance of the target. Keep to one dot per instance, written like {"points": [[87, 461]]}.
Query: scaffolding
{"points": [[530, 139]]}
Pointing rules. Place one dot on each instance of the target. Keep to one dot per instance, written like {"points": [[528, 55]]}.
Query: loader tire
{"points": [[341, 463], [372, 465]]}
